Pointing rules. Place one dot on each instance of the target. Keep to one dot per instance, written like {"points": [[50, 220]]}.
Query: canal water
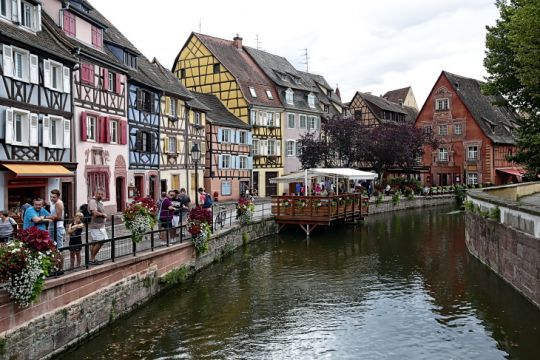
{"points": [[402, 286]]}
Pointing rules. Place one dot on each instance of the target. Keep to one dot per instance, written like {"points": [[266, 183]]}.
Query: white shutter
{"points": [[277, 120], [47, 73], [34, 130], [278, 147], [46, 134], [34, 69], [264, 148], [220, 135], [9, 126], [67, 79], [235, 162], [37, 18], [220, 157], [249, 138], [15, 10], [67, 133], [7, 59], [250, 163]]}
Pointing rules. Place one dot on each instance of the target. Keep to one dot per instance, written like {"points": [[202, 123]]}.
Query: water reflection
{"points": [[400, 286]]}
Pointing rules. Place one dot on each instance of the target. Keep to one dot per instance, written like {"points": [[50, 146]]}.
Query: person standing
{"points": [[166, 211], [7, 227], [97, 225], [37, 216], [175, 200], [185, 203], [75, 240], [57, 212]]}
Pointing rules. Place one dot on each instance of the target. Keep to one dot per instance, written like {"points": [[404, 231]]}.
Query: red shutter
{"points": [[118, 84], [105, 79], [123, 132], [83, 127], [107, 130]]}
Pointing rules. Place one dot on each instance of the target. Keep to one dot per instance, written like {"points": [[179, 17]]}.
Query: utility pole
{"points": [[306, 59]]}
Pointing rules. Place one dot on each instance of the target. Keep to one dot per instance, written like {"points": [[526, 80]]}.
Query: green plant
{"points": [[396, 197], [379, 199], [175, 276], [245, 237], [469, 205], [495, 214], [228, 248], [2, 346], [460, 193]]}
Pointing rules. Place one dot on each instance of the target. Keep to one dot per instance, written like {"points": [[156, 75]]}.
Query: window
{"points": [[441, 104], [114, 131], [87, 73], [97, 179], [3, 7], [290, 149], [70, 27], [216, 69], [18, 128], [242, 137], [91, 128], [172, 108], [290, 121], [472, 153], [27, 15], [289, 97], [97, 37], [56, 76], [253, 117], [145, 144], [443, 154], [226, 136], [182, 73], [243, 162], [226, 188], [458, 129], [303, 121], [172, 145], [427, 129], [270, 119], [472, 178], [130, 60], [255, 147], [443, 130], [144, 100], [311, 100], [312, 123], [20, 63], [252, 92], [298, 149], [112, 83], [197, 118], [271, 147], [56, 132], [269, 94], [225, 161]]}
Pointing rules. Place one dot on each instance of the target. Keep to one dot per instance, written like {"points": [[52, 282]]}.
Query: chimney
{"points": [[338, 93], [237, 42]]}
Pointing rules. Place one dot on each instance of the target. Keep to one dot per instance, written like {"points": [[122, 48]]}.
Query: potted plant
{"points": [[200, 228], [140, 217], [244, 211]]}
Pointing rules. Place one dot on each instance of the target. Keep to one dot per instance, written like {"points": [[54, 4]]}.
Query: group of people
{"points": [[173, 209]]}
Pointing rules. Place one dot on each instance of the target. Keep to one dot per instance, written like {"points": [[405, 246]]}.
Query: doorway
{"points": [[120, 196], [139, 185], [271, 189], [152, 187], [67, 198], [164, 186], [255, 183]]}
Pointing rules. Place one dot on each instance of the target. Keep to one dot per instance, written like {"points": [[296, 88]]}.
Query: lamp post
{"points": [[195, 157]]}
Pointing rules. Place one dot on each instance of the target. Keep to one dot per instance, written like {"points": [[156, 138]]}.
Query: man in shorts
{"points": [[57, 228], [96, 227]]}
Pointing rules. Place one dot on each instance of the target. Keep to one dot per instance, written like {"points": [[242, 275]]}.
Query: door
{"points": [[164, 186], [255, 183], [152, 187], [271, 189], [120, 196], [139, 185], [175, 182], [67, 198], [244, 185]]}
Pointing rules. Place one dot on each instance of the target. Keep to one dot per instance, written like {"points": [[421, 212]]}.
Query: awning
{"points": [[39, 170], [300, 176], [512, 171]]}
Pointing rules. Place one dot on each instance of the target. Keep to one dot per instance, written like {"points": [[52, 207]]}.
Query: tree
{"points": [[513, 63], [312, 151]]}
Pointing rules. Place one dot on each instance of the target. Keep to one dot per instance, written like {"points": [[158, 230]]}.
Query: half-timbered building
{"points": [[403, 96], [99, 95], [300, 98], [370, 109], [36, 143], [224, 68], [227, 172], [475, 135], [174, 128], [195, 133], [329, 99]]}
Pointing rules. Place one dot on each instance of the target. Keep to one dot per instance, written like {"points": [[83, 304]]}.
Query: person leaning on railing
{"points": [[37, 216], [7, 227]]}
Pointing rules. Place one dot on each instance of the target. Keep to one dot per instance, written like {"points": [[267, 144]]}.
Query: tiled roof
{"points": [[243, 68], [320, 80], [42, 40], [397, 95], [496, 121], [218, 113], [171, 83], [382, 103]]}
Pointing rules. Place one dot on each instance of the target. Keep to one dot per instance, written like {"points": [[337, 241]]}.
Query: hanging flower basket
{"points": [[140, 217], [244, 211], [24, 264], [200, 229]]}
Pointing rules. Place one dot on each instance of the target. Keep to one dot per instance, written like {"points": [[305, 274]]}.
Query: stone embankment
{"points": [[388, 205]]}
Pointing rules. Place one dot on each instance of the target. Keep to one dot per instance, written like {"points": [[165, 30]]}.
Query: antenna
{"points": [[306, 59], [258, 42]]}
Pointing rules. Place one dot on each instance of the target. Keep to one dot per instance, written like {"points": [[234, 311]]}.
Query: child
{"points": [[75, 239]]}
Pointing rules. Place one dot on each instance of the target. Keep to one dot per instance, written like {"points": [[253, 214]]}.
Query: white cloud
{"points": [[366, 46]]}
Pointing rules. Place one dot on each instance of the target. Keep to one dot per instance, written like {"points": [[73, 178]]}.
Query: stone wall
{"points": [[512, 254], [418, 202], [74, 306]]}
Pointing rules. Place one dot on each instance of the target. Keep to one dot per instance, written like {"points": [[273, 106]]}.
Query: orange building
{"points": [[475, 135]]}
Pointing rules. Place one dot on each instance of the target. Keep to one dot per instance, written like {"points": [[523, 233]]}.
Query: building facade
{"points": [[36, 135], [224, 68], [229, 163], [404, 96], [371, 110], [474, 134], [195, 134]]}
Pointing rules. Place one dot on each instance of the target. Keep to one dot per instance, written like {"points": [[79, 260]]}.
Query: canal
{"points": [[402, 286]]}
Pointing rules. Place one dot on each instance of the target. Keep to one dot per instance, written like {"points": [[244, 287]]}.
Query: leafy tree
{"points": [[513, 63], [313, 150]]}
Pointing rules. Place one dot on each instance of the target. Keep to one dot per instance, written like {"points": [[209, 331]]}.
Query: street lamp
{"points": [[195, 157]]}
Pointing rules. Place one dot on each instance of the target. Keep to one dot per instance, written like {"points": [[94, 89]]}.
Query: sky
{"points": [[369, 46]]}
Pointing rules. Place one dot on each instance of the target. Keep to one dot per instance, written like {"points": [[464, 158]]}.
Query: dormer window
{"points": [[97, 37], [3, 8], [130, 60], [21, 12], [27, 12], [252, 92], [269, 94], [311, 100], [289, 96]]}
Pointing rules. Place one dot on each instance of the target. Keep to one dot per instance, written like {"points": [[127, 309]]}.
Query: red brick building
{"points": [[475, 135]]}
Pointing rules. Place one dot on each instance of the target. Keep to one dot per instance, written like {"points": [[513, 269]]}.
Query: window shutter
{"points": [[37, 18], [123, 132], [278, 147], [166, 145], [118, 79], [277, 120], [105, 74], [153, 138], [104, 132], [15, 10], [249, 138], [47, 73], [220, 163], [107, 126], [67, 79], [234, 136], [34, 69], [250, 162], [34, 130], [139, 99], [167, 105], [67, 133], [46, 135], [7, 57], [138, 140], [220, 135], [264, 148], [9, 126]]}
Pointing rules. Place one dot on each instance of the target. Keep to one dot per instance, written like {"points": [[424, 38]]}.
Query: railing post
{"points": [[181, 228], [152, 240], [113, 242], [86, 248], [168, 235], [134, 247]]}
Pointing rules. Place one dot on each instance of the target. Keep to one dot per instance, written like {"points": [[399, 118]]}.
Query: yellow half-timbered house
{"points": [[223, 68]]}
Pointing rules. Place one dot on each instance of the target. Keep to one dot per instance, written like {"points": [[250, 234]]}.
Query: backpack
{"points": [[87, 215], [207, 201]]}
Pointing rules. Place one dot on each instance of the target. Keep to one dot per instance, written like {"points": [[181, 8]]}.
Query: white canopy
{"points": [[302, 176]]}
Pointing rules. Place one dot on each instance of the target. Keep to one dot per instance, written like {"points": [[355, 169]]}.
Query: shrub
{"points": [[495, 214], [396, 197]]}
